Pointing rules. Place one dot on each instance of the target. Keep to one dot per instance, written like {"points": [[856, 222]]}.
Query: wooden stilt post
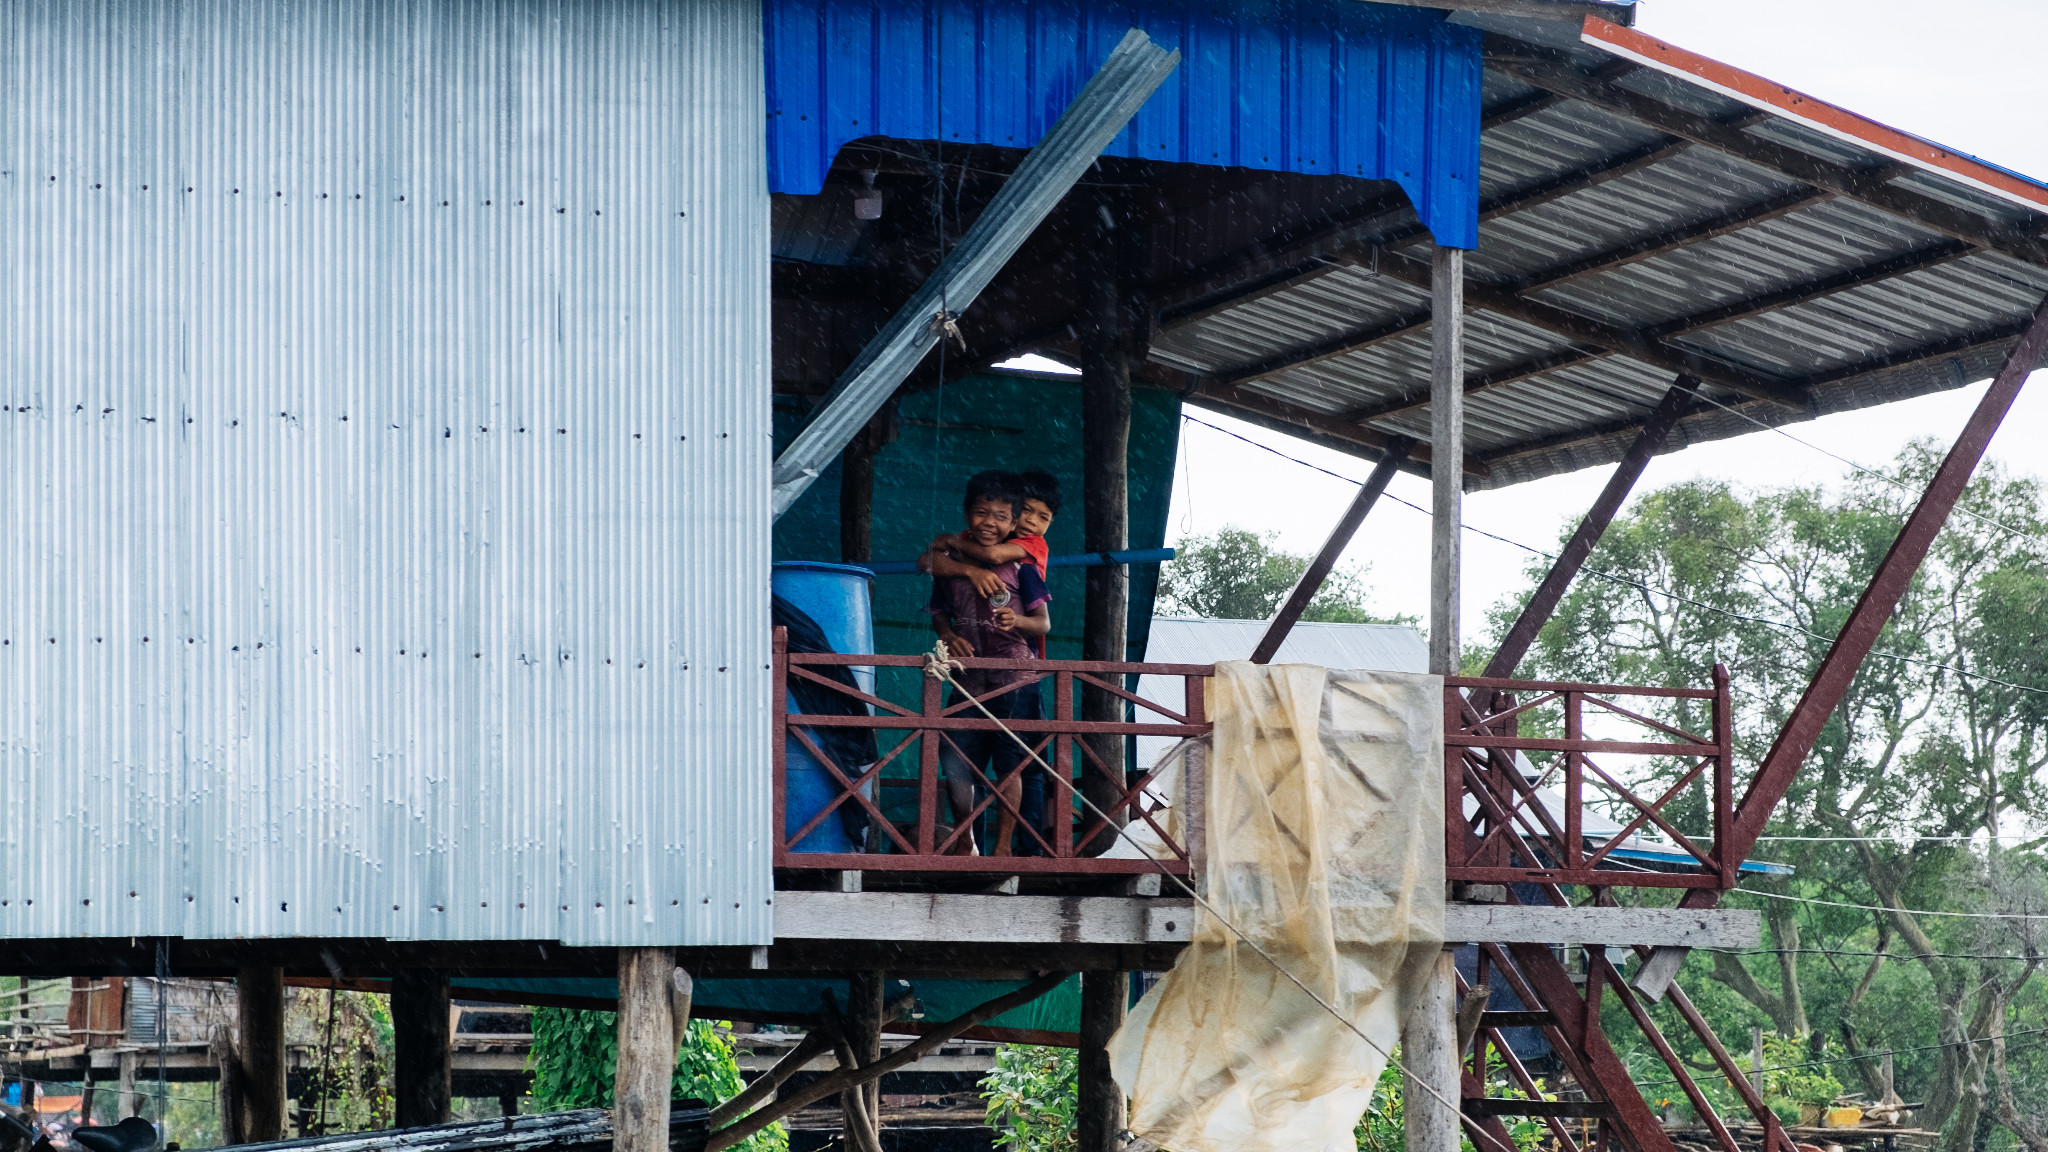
{"points": [[1099, 1118], [131, 1100], [1446, 449], [647, 1051], [1428, 1037], [259, 1012], [862, 1104], [420, 1043], [1429, 1049], [857, 487], [220, 1046], [1105, 451]]}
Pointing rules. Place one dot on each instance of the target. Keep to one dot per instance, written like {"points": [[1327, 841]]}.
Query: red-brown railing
{"points": [[1511, 836], [1507, 836], [916, 736]]}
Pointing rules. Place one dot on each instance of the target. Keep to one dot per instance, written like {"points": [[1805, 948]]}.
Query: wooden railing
{"points": [[1504, 834], [1512, 835], [911, 741]]}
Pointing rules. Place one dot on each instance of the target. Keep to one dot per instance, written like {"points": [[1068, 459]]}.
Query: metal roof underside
{"points": [[1633, 226]]}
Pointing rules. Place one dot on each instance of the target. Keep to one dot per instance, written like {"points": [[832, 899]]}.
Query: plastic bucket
{"points": [[837, 597]]}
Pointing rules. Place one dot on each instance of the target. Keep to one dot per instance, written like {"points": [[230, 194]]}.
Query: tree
{"points": [[1941, 738], [1237, 574], [575, 1054]]}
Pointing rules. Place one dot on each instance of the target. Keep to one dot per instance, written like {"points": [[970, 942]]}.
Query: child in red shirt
{"points": [[955, 555]]}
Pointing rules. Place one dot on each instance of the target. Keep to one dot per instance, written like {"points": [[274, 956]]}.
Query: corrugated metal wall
{"points": [[385, 450], [1321, 87]]}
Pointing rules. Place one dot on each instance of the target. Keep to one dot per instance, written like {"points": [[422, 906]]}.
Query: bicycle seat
{"points": [[131, 1135]]}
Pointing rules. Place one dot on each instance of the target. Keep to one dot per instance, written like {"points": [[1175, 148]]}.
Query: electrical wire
{"points": [[1906, 911], [1870, 472], [1627, 581], [1867, 1055], [1862, 955]]}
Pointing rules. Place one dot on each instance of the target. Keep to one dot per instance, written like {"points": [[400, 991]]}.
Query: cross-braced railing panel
{"points": [[1508, 818], [1511, 819], [904, 794]]}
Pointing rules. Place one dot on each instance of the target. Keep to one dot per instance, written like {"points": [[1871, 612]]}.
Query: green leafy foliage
{"points": [[1918, 794], [1791, 1076], [1381, 1128], [575, 1054], [1032, 1095], [1237, 574]]}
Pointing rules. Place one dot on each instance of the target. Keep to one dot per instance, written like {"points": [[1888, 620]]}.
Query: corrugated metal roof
{"points": [[1588, 207], [1322, 87], [387, 491], [1185, 640]]}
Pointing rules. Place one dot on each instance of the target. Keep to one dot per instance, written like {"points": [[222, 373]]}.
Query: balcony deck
{"points": [[1536, 791]]}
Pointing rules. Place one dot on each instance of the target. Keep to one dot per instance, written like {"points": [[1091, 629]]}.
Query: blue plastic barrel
{"points": [[837, 597]]}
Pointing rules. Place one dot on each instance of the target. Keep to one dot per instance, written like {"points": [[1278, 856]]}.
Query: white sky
{"points": [[1967, 76]]}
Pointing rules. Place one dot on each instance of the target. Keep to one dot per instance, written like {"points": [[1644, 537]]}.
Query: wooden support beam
{"points": [[1318, 570], [1340, 345], [861, 1106], [131, 1100], [1873, 186], [1881, 595], [1105, 479], [1656, 244], [912, 918], [1874, 608], [857, 499], [647, 1053], [1482, 382], [1603, 1068], [421, 1076], [1930, 256], [1592, 526], [814, 1044], [837, 1082], [1635, 344], [259, 1045], [1100, 1114], [1279, 263], [1335, 432]]}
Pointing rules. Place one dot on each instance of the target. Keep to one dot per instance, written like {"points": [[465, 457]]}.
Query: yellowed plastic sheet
{"points": [[1325, 846]]}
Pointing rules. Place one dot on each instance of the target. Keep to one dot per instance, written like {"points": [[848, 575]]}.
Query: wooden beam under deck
{"points": [[1136, 920]]}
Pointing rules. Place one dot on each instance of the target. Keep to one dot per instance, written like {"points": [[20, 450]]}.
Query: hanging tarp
{"points": [[1325, 848]]}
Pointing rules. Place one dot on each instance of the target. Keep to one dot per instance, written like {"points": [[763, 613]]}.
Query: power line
{"points": [[1627, 581], [1906, 911], [1867, 1055], [1863, 955], [1870, 472]]}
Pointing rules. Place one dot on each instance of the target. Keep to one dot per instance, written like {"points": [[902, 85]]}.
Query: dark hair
{"points": [[995, 485], [1043, 487]]}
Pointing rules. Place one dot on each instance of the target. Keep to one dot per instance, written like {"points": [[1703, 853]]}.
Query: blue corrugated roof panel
{"points": [[1323, 87]]}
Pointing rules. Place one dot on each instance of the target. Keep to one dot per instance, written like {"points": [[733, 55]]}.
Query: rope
{"points": [[940, 664]]}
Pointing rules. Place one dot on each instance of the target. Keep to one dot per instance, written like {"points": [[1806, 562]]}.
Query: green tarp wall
{"points": [[948, 434]]}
